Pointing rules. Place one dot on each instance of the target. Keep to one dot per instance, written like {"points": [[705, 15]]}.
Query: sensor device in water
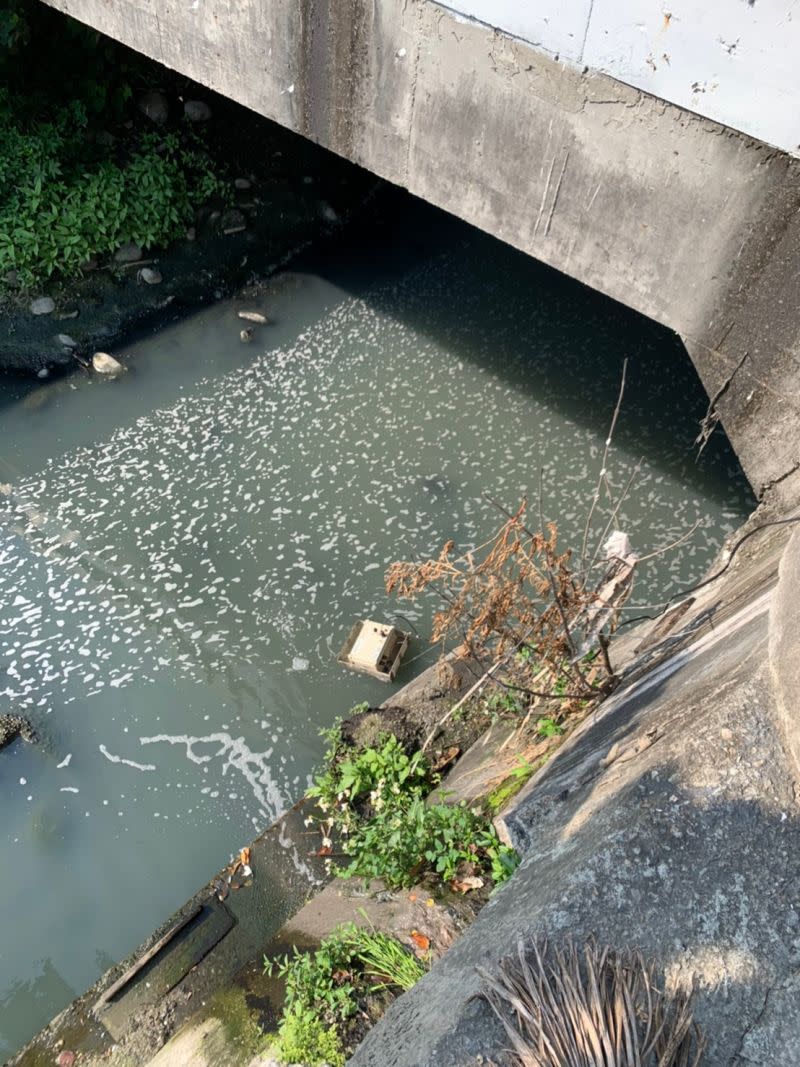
{"points": [[374, 648]]}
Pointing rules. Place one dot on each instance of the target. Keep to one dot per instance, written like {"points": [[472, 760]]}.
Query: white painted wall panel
{"points": [[734, 61], [556, 26]]}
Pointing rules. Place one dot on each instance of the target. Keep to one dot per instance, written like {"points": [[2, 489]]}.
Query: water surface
{"points": [[184, 550]]}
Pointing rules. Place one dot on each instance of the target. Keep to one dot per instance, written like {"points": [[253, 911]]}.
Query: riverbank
{"points": [[283, 193], [217, 1005]]}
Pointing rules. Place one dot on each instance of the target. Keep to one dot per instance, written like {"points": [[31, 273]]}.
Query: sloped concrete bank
{"points": [[670, 822]]}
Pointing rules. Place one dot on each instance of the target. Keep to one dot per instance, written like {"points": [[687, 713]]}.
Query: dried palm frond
{"points": [[590, 1008]]}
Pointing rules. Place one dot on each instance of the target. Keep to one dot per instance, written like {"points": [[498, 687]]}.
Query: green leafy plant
{"points": [[326, 988], [405, 840], [548, 727], [503, 701], [62, 201], [353, 780], [373, 802]]}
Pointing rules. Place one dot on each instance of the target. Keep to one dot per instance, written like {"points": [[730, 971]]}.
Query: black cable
{"points": [[713, 578]]}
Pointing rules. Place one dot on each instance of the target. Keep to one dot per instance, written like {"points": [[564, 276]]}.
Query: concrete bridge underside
{"points": [[685, 220]]}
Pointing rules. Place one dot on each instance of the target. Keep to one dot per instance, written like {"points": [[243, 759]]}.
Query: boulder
{"points": [[103, 363], [128, 253], [196, 111], [154, 105], [65, 340], [43, 305]]}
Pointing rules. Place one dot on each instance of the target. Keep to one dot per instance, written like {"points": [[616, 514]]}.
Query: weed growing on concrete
{"points": [[329, 989], [373, 802]]}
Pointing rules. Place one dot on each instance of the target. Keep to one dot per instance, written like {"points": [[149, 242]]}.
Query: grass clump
{"points": [[373, 803], [332, 991]]}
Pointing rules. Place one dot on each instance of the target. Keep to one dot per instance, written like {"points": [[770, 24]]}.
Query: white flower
{"points": [[308, 822], [326, 842]]}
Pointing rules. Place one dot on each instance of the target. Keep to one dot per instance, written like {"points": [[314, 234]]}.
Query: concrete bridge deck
{"points": [[689, 222]]}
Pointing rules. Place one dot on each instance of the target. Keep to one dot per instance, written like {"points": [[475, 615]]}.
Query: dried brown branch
{"points": [[574, 1007]]}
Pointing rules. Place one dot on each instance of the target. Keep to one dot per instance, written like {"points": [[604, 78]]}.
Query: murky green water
{"points": [[185, 549]]}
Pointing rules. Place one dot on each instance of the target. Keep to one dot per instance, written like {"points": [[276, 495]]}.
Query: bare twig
{"points": [[602, 475]]}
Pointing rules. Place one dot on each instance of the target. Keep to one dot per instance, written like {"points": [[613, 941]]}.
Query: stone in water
{"points": [[253, 316], [103, 363], [150, 276], [43, 305]]}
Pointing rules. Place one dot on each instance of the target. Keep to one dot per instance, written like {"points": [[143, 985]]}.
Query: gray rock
{"points": [[128, 253], [197, 111], [65, 340], [191, 233], [253, 316], [11, 277], [243, 183], [43, 372], [150, 276], [43, 305], [103, 363], [154, 105]]}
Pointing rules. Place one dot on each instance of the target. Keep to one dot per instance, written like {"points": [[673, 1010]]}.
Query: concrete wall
{"points": [[680, 218], [734, 62]]}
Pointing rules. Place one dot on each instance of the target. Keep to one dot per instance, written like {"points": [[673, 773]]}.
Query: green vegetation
{"points": [[327, 988], [374, 801], [81, 172], [503, 702], [548, 727]]}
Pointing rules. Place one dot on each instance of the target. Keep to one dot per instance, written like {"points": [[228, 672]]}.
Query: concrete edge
{"points": [[784, 627]]}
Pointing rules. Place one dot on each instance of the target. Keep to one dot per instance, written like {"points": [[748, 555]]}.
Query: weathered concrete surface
{"points": [[668, 822], [680, 218], [784, 646]]}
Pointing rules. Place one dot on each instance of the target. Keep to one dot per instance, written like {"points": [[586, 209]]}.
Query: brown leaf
{"points": [[446, 757], [324, 850], [420, 940], [464, 885]]}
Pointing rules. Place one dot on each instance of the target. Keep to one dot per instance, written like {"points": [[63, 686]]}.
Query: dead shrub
{"points": [[590, 1007]]}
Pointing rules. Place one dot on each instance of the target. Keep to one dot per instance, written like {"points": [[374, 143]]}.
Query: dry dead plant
{"points": [[534, 617], [590, 1007]]}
